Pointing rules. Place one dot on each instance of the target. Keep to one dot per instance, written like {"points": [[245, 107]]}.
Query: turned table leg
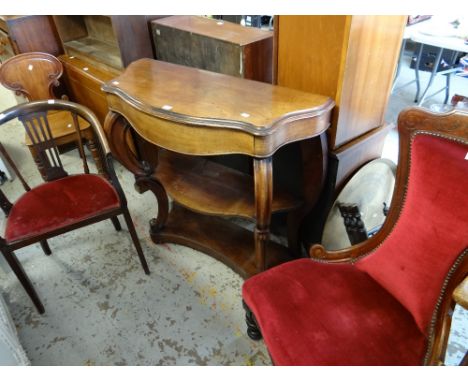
{"points": [[94, 149], [263, 178]]}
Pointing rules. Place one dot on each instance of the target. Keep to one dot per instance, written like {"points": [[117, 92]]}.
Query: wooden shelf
{"points": [[96, 50], [219, 238], [211, 188]]}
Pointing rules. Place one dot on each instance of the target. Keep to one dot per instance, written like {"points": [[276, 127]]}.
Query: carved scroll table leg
{"points": [[263, 178], [143, 184]]}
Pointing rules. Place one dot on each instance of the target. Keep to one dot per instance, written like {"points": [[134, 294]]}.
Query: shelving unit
{"points": [[97, 49], [90, 37]]}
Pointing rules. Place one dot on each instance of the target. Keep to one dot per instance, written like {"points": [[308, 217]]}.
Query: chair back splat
{"points": [[33, 75], [38, 130], [389, 299]]}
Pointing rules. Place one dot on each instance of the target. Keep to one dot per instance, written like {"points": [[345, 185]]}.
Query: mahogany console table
{"points": [[165, 120]]}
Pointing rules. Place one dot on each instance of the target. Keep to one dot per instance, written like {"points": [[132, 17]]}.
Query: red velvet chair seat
{"points": [[58, 204], [314, 313]]}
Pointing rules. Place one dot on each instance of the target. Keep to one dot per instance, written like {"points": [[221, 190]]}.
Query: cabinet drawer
{"points": [[84, 81]]}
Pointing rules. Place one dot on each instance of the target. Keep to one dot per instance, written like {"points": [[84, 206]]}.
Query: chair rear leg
{"points": [[136, 241], [45, 247], [116, 223], [18, 270]]}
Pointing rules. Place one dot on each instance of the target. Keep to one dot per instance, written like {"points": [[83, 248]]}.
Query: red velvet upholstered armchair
{"points": [[388, 300], [65, 202]]}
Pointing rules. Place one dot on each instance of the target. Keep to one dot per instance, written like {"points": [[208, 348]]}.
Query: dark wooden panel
{"points": [[6, 50], [180, 47], [214, 45], [34, 34], [220, 30], [257, 61], [133, 36]]}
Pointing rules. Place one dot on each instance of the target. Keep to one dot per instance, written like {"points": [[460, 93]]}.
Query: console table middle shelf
{"points": [[164, 124]]}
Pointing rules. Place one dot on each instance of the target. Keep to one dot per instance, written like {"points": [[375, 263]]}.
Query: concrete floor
{"points": [[101, 309]]}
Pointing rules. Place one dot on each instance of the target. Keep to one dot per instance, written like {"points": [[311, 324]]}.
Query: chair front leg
{"points": [[136, 241], [253, 331]]}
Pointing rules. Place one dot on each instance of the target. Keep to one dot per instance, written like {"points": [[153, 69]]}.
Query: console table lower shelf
{"points": [[218, 237]]}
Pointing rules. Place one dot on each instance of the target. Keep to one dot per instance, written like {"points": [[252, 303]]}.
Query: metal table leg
{"points": [[416, 72], [433, 74]]}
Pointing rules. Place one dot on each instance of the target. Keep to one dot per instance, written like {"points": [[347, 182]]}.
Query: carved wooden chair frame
{"points": [[411, 122], [33, 115]]}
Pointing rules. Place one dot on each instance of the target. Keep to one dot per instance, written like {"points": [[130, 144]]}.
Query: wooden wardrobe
{"points": [[351, 59]]}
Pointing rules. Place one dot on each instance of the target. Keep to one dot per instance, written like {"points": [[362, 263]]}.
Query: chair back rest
{"points": [[33, 75], [429, 241], [35, 118]]}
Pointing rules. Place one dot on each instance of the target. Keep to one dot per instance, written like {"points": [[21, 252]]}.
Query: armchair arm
{"points": [[318, 252], [109, 163], [460, 294]]}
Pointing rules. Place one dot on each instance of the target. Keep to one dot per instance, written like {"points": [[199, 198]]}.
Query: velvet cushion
{"points": [[59, 203], [432, 230], [331, 314]]}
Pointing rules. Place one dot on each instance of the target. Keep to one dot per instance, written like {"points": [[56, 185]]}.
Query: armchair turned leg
{"points": [[45, 247], [136, 241], [18, 270], [253, 330]]}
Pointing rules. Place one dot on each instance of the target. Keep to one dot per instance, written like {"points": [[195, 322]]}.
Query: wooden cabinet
{"points": [[351, 59], [22, 34], [214, 45], [113, 41], [84, 80]]}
